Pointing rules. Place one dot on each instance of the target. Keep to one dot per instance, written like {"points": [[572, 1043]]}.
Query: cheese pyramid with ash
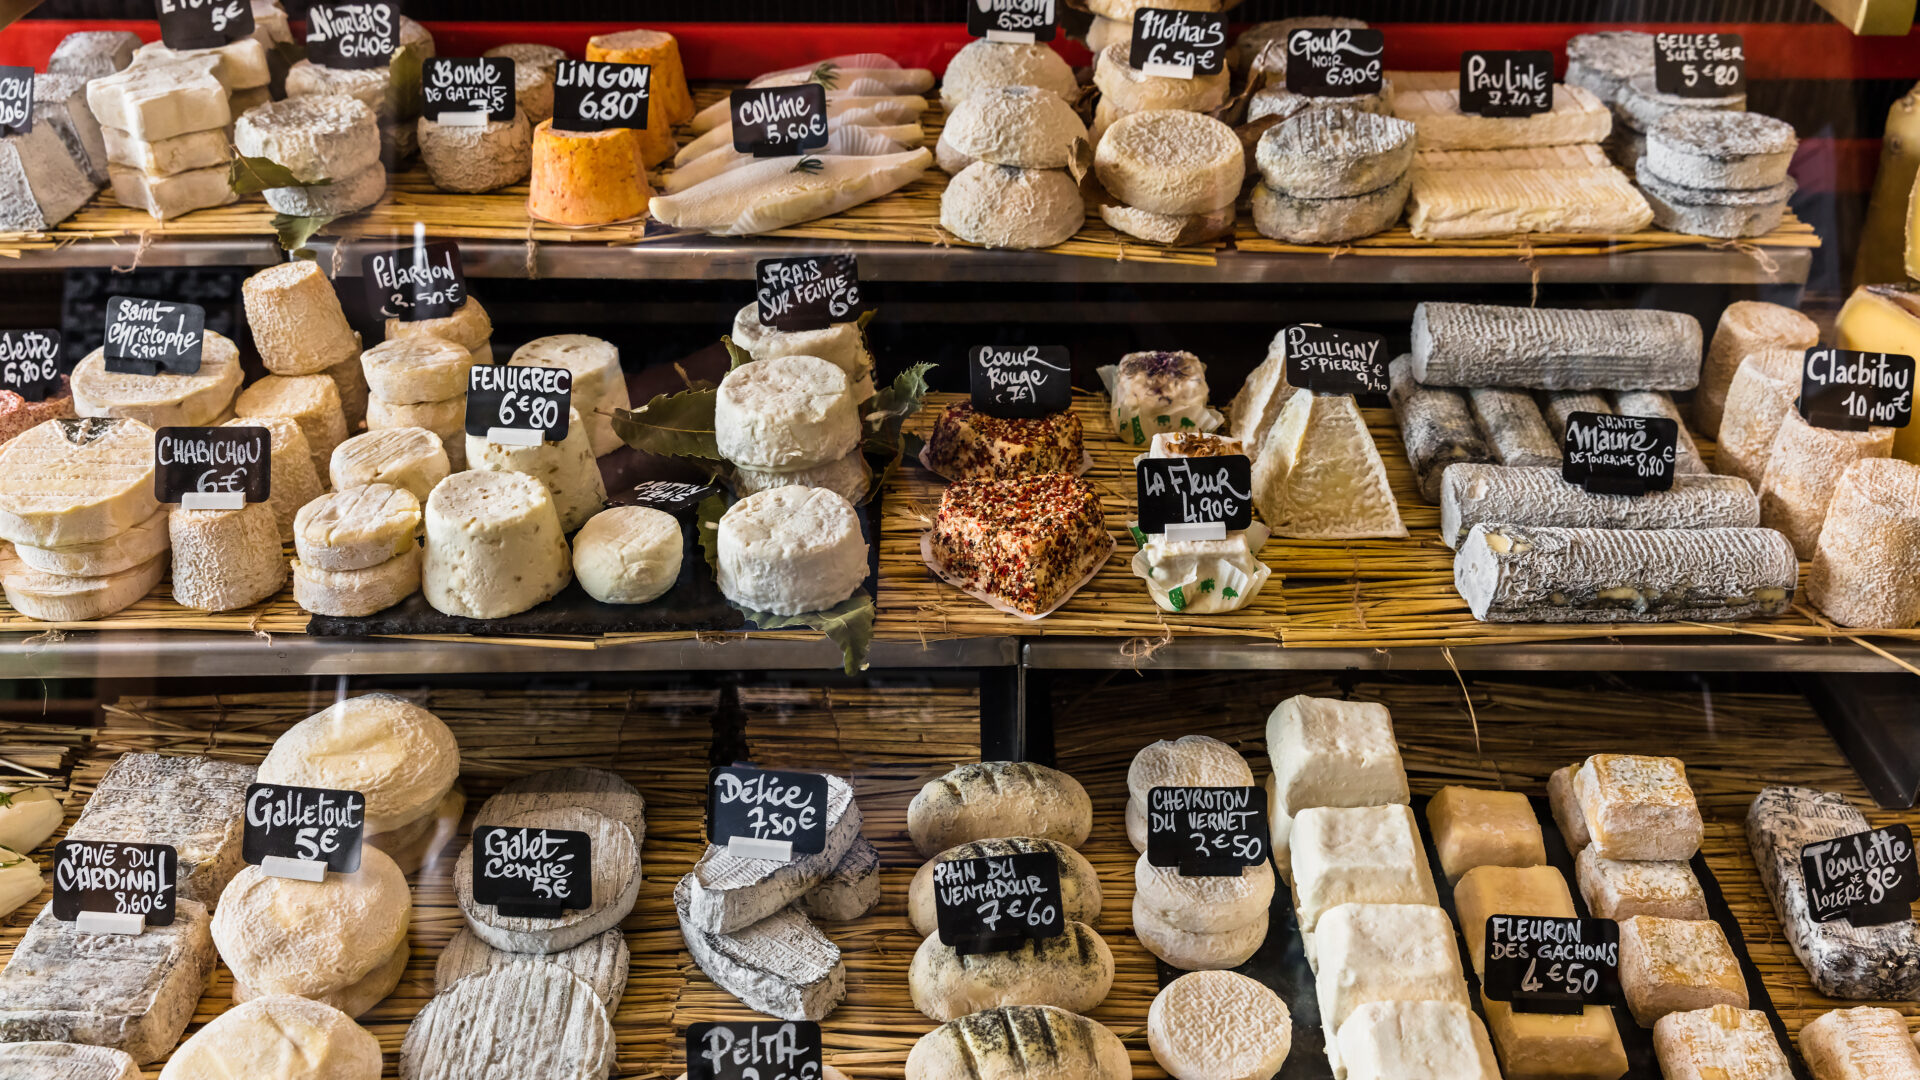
{"points": [[1319, 476]]}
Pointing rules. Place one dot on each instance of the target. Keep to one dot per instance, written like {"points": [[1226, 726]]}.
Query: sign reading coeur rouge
{"points": [[1020, 382]]}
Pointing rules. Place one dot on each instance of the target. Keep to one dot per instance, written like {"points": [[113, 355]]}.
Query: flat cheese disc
{"points": [[357, 527], [72, 482], [417, 368], [615, 885], [398, 755], [511, 1023], [282, 936], [601, 962], [406, 457], [1219, 1025], [281, 1037], [160, 400], [598, 790]]}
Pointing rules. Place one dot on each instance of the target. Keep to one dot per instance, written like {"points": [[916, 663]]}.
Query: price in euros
{"points": [[539, 413], [1573, 979], [1236, 846], [612, 105], [18, 372], [767, 824], [1884, 413], [793, 131], [1019, 910], [1175, 56], [224, 15], [1710, 74]]}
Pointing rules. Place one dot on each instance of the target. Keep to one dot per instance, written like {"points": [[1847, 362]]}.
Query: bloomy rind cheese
{"points": [[476, 157], [726, 892], [296, 319], [316, 137], [1762, 392], [225, 559], [401, 757], [601, 962], [1203, 905], [1319, 474], [94, 53], [1712, 148], [1328, 221], [355, 593], [417, 368], [1621, 888], [494, 546], [1720, 1043], [55, 598], [1727, 214], [790, 550], [983, 64], [406, 457], [999, 206], [269, 1036], [1515, 429], [350, 194], [315, 939], [996, 799], [1130, 90], [1554, 349], [167, 197], [1866, 565], [70, 482], [1470, 203], [522, 1020], [1520, 573], [1190, 951], [1803, 468], [1605, 62], [161, 400], [357, 528], [312, 401], [160, 101], [1073, 971], [192, 804], [615, 886], [1170, 161], [1188, 1038], [842, 344], [628, 554], [1017, 1041], [781, 965], [468, 327], [65, 1061], [1745, 327], [850, 891], [121, 551], [1577, 116], [291, 476], [1476, 494], [1022, 126]]}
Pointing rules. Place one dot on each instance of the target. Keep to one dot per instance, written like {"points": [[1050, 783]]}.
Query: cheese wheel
{"points": [[587, 177], [998, 206], [312, 401], [842, 344], [983, 65], [293, 483], [405, 457], [121, 551], [477, 157], [279, 1037], [312, 938], [790, 551], [296, 319], [399, 756], [1169, 161], [417, 368], [368, 86], [1129, 90], [354, 999], [357, 527], [160, 400], [599, 383], [1803, 468], [614, 886], [494, 545], [71, 482], [1190, 951], [225, 559], [446, 420], [1763, 389], [1012, 125], [412, 845], [1219, 1025], [468, 327], [528, 55], [785, 414], [351, 381], [350, 194], [1204, 905], [628, 554], [566, 468], [667, 85], [1866, 566], [848, 478], [315, 137], [1745, 327], [356, 593], [57, 598]]}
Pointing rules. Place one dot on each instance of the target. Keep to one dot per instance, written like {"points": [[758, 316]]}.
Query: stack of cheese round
{"points": [[602, 962], [1125, 89], [77, 501], [162, 400], [566, 467], [842, 344], [372, 87], [614, 887], [599, 383], [468, 327], [357, 552], [477, 157], [1260, 51], [986, 65], [583, 178], [669, 101], [533, 71], [628, 554], [420, 381], [1276, 100], [1009, 147], [321, 137], [401, 758], [1330, 175], [341, 941], [1866, 566], [278, 1037], [494, 546], [788, 414], [1716, 173], [1803, 469], [312, 401], [293, 483], [296, 319], [1639, 106], [1174, 173], [790, 551], [1193, 923], [225, 559], [999, 799], [1745, 327], [405, 457]]}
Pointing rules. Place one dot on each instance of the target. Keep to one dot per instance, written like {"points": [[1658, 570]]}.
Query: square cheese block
{"points": [[1546, 1046], [239, 65], [1328, 752], [1486, 891], [1639, 807], [1614, 889], [167, 197], [1860, 1044], [1566, 809], [1352, 855], [1677, 965], [1415, 1040], [193, 804], [1719, 1043], [1027, 542], [167, 157], [1472, 827], [1384, 952]]}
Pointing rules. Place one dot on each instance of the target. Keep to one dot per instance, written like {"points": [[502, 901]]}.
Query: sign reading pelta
{"points": [[764, 814], [418, 282], [754, 1050], [998, 903], [303, 825], [30, 362], [1699, 65], [1609, 454], [213, 468], [1331, 361], [1844, 390], [595, 96], [532, 872], [1541, 964], [1178, 44], [1207, 831], [519, 404], [1336, 62], [203, 24], [1016, 382], [779, 121], [1867, 878], [470, 90], [1179, 492], [16, 100], [112, 878], [147, 337], [808, 293], [353, 35], [1506, 83], [1013, 21]]}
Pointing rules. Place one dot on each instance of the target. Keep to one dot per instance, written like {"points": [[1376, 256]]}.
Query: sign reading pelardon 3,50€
{"points": [[1207, 831], [1195, 491], [532, 872], [353, 35], [1336, 63], [754, 1050], [519, 404], [213, 468], [997, 903], [764, 814], [415, 283]]}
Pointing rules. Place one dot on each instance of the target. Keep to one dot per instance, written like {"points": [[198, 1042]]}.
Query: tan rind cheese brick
{"points": [[161, 400], [70, 482]]}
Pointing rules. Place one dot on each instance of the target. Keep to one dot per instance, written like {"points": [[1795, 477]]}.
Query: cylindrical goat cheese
{"points": [[494, 545], [628, 554], [319, 137], [416, 368], [405, 457], [225, 559], [567, 468], [476, 157], [296, 319], [790, 551], [599, 383], [785, 414]]}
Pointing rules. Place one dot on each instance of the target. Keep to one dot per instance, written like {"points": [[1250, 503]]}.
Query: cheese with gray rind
{"points": [[598, 790], [131, 993], [60, 101], [1687, 460], [512, 1023], [94, 53], [1726, 214], [1555, 348], [1803, 468], [476, 157], [1516, 432], [225, 559], [1276, 100], [1437, 427], [1845, 961], [615, 886], [1022, 126], [57, 598], [1709, 148], [162, 400], [1641, 106], [40, 182], [1866, 566], [192, 804], [1605, 62], [1072, 970], [1559, 406], [999, 206], [1020, 1042], [1079, 884], [349, 194], [1334, 153], [320, 137], [726, 893], [852, 890], [601, 962], [64, 1061], [998, 798], [1525, 573], [1328, 221], [781, 965], [1475, 494]]}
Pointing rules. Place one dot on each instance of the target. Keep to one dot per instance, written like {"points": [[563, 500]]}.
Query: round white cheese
{"points": [[602, 962], [843, 344], [69, 482], [998, 206], [1219, 1025], [355, 998], [787, 413], [615, 886], [225, 559], [1204, 905], [412, 845], [297, 322], [354, 593], [520, 1020], [1013, 125], [347, 195], [398, 755], [476, 157], [566, 467], [439, 417], [596, 789], [599, 383], [417, 368], [356, 528], [316, 137], [56, 598], [468, 327], [282, 936], [281, 1037], [983, 64], [1128, 89], [160, 400], [1190, 951], [628, 554], [292, 479], [365, 85], [313, 401], [791, 551], [494, 545], [848, 478], [1169, 228], [71, 1061], [405, 457], [1189, 761], [1169, 161]]}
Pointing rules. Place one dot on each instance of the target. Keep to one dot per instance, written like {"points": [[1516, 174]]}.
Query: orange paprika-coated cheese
{"points": [[587, 177], [667, 83]]}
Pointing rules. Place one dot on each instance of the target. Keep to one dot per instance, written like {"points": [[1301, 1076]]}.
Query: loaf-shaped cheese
{"points": [[587, 178], [1073, 971], [494, 546], [1866, 565], [1437, 427], [1520, 573], [1496, 494], [1803, 467], [1516, 431], [999, 798], [1554, 349]]}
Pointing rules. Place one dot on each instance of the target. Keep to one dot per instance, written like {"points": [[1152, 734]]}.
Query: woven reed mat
{"points": [[1400, 241]]}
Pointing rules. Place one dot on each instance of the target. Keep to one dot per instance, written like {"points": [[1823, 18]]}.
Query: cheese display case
{"points": [[1224, 541]]}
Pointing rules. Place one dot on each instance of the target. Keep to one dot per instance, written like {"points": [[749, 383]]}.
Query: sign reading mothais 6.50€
{"points": [[779, 121], [1337, 62], [754, 1050], [764, 814], [996, 903], [147, 337], [589, 95], [1207, 831], [1178, 44], [203, 24], [808, 293], [1845, 390], [110, 877], [533, 872], [519, 404], [30, 362], [353, 35], [213, 468]]}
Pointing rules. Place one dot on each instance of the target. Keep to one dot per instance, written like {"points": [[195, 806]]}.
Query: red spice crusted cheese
{"points": [[968, 445], [17, 414], [1026, 542]]}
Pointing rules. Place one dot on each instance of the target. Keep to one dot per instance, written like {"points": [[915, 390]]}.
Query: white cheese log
{"points": [[71, 482], [98, 558], [1554, 349], [312, 401], [158, 102], [1515, 430], [1803, 468], [1866, 567], [476, 157], [322, 137], [494, 545], [1319, 475], [293, 482], [521, 1020], [94, 53], [1687, 460], [599, 383], [1523, 573], [296, 319], [65, 1061], [601, 962], [356, 528], [1576, 117], [615, 886], [781, 965], [161, 400], [726, 893], [566, 467], [1073, 971], [225, 559], [1437, 426], [417, 369], [1745, 327], [1473, 494], [1763, 390], [407, 458], [56, 598], [192, 804]]}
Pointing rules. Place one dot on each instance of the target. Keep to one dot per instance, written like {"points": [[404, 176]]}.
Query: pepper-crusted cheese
{"points": [[587, 178], [966, 444], [1027, 542]]}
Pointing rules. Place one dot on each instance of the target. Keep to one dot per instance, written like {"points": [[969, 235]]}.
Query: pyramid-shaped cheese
{"points": [[1318, 476], [1256, 408]]}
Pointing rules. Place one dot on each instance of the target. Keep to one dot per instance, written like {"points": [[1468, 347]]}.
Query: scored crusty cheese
{"points": [[1761, 393], [1079, 883], [1745, 327], [318, 137], [1019, 1041], [312, 938], [1189, 761], [1803, 468], [1188, 1037], [56, 598], [1576, 117], [357, 527], [280, 1037], [615, 886], [468, 327], [494, 545], [98, 558], [599, 383], [1720, 1042], [601, 962], [566, 467], [1861, 1043], [296, 319], [404, 457], [628, 554], [312, 401], [397, 755], [1170, 161], [1866, 566], [1467, 203], [65, 1061], [1656, 403], [1319, 475], [225, 559], [160, 400], [417, 368], [520, 1020], [293, 483], [1072, 970], [476, 157], [586, 177], [71, 482], [998, 798]]}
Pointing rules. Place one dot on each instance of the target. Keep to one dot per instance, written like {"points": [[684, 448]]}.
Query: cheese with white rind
{"points": [[628, 554], [468, 327], [841, 112], [1866, 565], [1219, 1025], [160, 101], [291, 477], [162, 400], [785, 413], [65, 1061], [983, 65], [357, 528], [1204, 905], [1523, 573], [517, 1021], [1515, 430], [1392, 1040], [192, 804], [851, 135], [1880, 963], [726, 892], [1722, 1043], [1072, 970], [1656, 403], [1709, 148], [56, 598], [296, 319], [1554, 348], [1189, 761], [445, 420], [412, 846], [1170, 161], [1334, 153], [476, 157], [1803, 468], [1605, 62], [369, 86], [167, 197], [313, 401], [790, 551], [850, 891], [1022, 126], [1528, 158], [320, 137], [1384, 952], [405, 457], [566, 467], [1577, 116], [130, 993], [225, 559], [1864, 1043], [842, 344], [601, 962], [533, 90], [850, 478], [94, 53], [614, 888], [1190, 951], [1762, 392], [771, 194], [596, 789], [999, 206], [1726, 214], [1470, 203], [1130, 90], [284, 936], [349, 194], [1016, 1042], [280, 1037], [599, 383], [1349, 855], [239, 65], [397, 755], [1319, 475], [1745, 327], [1641, 106], [357, 997], [1473, 494], [1328, 221], [781, 965], [1260, 400], [1079, 885], [1328, 752], [998, 798], [352, 384], [99, 558], [494, 545], [1173, 229], [28, 815]]}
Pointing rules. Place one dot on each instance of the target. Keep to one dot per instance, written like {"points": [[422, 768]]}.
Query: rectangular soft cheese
{"points": [[1458, 204], [1577, 117]]}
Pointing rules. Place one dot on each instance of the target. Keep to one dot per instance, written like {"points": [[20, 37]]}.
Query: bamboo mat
{"points": [[1400, 241]]}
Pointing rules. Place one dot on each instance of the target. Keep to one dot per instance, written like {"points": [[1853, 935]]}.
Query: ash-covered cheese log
{"points": [[1524, 573], [726, 892], [1437, 427], [781, 965], [1475, 494], [1554, 349], [1514, 427], [852, 890], [1687, 460], [1559, 405], [1866, 567], [1845, 961]]}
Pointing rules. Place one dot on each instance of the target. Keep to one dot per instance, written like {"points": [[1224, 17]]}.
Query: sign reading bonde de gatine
{"points": [[997, 903], [1336, 62], [1542, 964], [30, 362], [1845, 390], [415, 283], [1020, 382], [754, 1050], [1867, 878], [762, 806], [1609, 454], [147, 337], [1207, 831], [353, 35], [532, 872], [808, 293], [203, 24], [467, 89], [115, 878]]}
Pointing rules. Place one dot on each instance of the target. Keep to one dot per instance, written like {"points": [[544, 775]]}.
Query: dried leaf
{"points": [[253, 175], [866, 317], [672, 425], [294, 232], [740, 356], [706, 527], [848, 624], [886, 415], [1080, 160]]}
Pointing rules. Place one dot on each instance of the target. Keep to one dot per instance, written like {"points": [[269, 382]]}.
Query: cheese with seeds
{"points": [[312, 938], [65, 1061], [292, 480], [1474, 494], [1745, 327], [74, 482], [1517, 573], [468, 327], [493, 545], [56, 598], [162, 400], [599, 383], [1191, 1036], [1554, 349], [1072, 970], [410, 458], [397, 755], [320, 137], [296, 319], [1866, 565], [1803, 468], [1319, 475], [567, 468], [522, 1020], [282, 1037], [312, 401], [1169, 161], [601, 962], [614, 888], [225, 559], [1577, 116], [192, 804], [416, 369], [357, 528], [781, 965], [154, 102]]}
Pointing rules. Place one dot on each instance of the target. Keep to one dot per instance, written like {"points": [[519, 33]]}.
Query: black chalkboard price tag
{"points": [[1181, 495], [1207, 831], [303, 832], [1619, 455], [1506, 83], [758, 1050], [30, 362], [16, 100], [1331, 361], [518, 404], [779, 121], [1178, 44], [1014, 21], [147, 337], [203, 24], [997, 903], [353, 35], [1868, 878], [111, 887], [1020, 382], [1542, 964], [597, 96], [809, 293], [1844, 390], [418, 282], [532, 872], [1699, 65], [764, 814], [670, 496], [467, 89], [212, 468], [1336, 62]]}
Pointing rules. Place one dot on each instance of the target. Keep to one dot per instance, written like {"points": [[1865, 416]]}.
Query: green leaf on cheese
{"points": [[253, 175], [294, 232], [672, 425]]}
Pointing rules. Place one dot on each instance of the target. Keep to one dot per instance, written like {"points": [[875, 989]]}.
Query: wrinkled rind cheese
{"points": [[567, 468], [850, 891], [312, 401], [417, 369], [1866, 565], [350, 194], [192, 804], [405, 457], [1554, 349], [1072, 970], [1319, 475], [1022, 126], [1130, 90], [602, 962], [71, 482], [66, 1061], [1513, 573], [1762, 392], [399, 756], [161, 400], [1515, 428], [291, 476], [296, 319], [225, 559], [519, 1020], [1803, 469], [614, 887], [1190, 951], [1687, 460], [1328, 221], [477, 157], [317, 137], [1219, 1025], [1622, 888], [984, 65], [1677, 965], [284, 936], [791, 550], [357, 528], [494, 546], [1334, 153], [599, 383], [1203, 905], [1170, 161], [781, 965], [1475, 494], [587, 178], [1019, 1040], [999, 206], [1745, 327], [1470, 203]]}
